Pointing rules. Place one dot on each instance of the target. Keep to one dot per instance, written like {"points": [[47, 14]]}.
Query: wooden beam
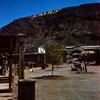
{"points": [[10, 63]]}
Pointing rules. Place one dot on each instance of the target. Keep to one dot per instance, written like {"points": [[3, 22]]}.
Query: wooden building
{"points": [[8, 45], [31, 59]]}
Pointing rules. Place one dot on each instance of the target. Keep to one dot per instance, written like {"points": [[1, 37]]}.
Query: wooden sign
{"points": [[7, 43]]}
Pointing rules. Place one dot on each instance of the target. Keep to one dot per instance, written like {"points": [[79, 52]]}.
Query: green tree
{"points": [[54, 54]]}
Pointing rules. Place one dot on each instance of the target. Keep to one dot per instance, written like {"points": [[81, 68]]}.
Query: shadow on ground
{"points": [[50, 77], [77, 72], [5, 91]]}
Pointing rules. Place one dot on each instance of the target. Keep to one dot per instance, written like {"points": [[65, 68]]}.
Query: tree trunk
{"points": [[85, 65], [52, 69]]}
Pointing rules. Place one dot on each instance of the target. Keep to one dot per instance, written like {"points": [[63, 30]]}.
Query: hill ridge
{"points": [[78, 25]]}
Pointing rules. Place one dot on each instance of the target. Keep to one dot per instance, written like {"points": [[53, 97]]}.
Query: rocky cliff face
{"points": [[68, 26]]}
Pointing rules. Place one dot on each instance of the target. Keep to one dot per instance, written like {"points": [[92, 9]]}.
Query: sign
{"points": [[7, 42]]}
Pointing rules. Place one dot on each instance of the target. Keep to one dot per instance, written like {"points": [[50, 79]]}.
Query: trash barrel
{"points": [[26, 89]]}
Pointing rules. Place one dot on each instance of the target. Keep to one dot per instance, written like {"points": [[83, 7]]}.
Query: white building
{"points": [[30, 49]]}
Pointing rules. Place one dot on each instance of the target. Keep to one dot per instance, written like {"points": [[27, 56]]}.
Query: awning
{"points": [[86, 52]]}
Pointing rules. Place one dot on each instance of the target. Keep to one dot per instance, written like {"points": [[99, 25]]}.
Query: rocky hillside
{"points": [[68, 26]]}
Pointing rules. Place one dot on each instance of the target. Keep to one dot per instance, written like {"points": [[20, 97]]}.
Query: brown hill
{"points": [[68, 26]]}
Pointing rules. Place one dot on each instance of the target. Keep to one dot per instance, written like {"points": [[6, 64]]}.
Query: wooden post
{"points": [[21, 62], [10, 63], [37, 60], [44, 61]]}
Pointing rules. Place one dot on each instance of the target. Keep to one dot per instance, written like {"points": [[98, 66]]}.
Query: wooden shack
{"points": [[8, 45]]}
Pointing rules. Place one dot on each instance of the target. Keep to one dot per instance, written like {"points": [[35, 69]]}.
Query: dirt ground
{"points": [[75, 86], [66, 85]]}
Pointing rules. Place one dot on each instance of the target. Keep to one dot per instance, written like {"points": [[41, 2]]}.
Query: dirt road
{"points": [[75, 86]]}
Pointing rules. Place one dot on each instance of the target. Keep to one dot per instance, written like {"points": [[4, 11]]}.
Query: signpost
{"points": [[21, 55]]}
